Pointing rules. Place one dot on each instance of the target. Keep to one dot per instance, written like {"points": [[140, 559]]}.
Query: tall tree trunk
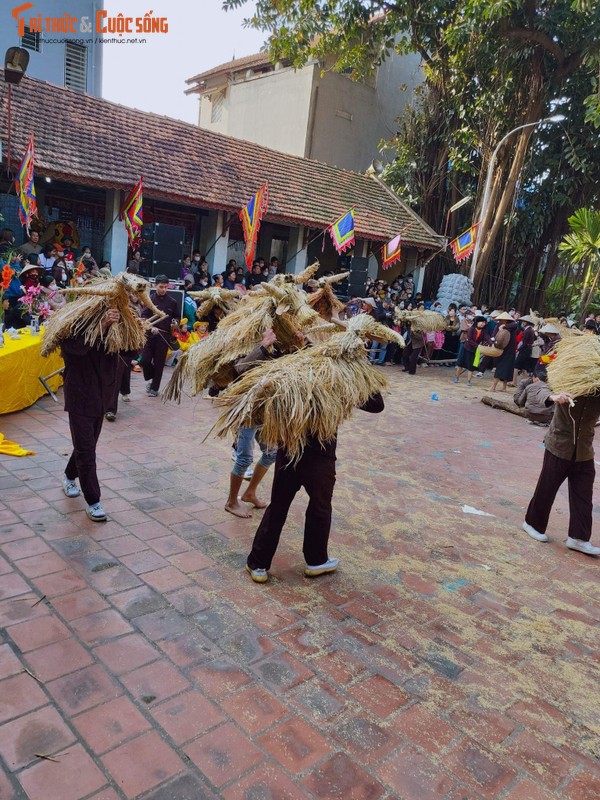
{"points": [[557, 229], [510, 163]]}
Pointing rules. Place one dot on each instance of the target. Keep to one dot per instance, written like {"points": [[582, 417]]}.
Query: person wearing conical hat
{"points": [[524, 361], [506, 340]]}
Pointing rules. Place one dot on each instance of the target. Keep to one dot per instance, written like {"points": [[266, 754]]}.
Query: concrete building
{"points": [[195, 179], [68, 59], [311, 112]]}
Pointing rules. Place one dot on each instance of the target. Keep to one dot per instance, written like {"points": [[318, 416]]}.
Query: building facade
{"points": [[195, 179], [311, 112], [69, 59]]}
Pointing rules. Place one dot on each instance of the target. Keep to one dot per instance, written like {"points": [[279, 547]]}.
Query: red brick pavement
{"points": [[450, 657]]}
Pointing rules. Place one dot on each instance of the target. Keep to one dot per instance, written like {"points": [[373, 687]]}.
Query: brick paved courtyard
{"points": [[450, 657]]}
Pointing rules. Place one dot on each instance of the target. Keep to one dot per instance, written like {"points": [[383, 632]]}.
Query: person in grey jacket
{"points": [[532, 393]]}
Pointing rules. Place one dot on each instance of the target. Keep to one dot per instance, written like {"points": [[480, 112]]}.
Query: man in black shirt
{"points": [[255, 277], [154, 353], [89, 382]]}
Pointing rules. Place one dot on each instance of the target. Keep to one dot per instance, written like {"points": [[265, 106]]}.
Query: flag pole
{"points": [[111, 226], [223, 232]]}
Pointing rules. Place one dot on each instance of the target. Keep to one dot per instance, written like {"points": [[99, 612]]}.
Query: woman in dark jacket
{"points": [[230, 279], [524, 361], [476, 335], [451, 334], [506, 340]]}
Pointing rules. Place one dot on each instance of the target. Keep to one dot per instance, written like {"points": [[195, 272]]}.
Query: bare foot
{"points": [[253, 499], [238, 510]]}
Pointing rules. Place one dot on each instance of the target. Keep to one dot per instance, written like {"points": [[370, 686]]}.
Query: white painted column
{"points": [[217, 258], [115, 243], [418, 273], [299, 260]]}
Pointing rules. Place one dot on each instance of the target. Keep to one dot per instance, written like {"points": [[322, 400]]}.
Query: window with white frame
{"points": [[216, 110], [76, 67], [31, 40]]}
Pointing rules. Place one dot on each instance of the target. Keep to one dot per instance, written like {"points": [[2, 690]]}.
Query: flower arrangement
{"points": [[7, 274], [33, 303]]}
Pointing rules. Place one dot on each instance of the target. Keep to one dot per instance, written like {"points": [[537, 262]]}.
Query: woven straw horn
{"points": [[329, 279], [367, 328], [306, 274]]}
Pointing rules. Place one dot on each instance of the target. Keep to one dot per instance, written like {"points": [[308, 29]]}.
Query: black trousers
{"points": [[85, 432], [410, 358], [316, 473], [122, 383], [580, 475], [154, 356]]}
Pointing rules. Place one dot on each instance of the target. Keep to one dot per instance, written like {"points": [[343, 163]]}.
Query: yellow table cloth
{"points": [[21, 366]]}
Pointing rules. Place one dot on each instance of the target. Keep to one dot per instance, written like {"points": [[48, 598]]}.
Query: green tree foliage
{"points": [[581, 248], [489, 66]]}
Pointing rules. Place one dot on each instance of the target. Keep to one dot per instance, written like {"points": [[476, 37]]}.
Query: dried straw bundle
{"points": [[282, 307], [84, 315], [299, 279], [215, 297], [576, 369], [425, 321], [308, 393], [324, 301]]}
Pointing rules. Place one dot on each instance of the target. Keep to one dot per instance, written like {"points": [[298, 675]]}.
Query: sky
{"points": [[152, 76]]}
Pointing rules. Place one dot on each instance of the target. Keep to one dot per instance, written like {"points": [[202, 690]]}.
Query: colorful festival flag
{"points": [[342, 232], [25, 186], [251, 215], [392, 251], [132, 213], [463, 245]]}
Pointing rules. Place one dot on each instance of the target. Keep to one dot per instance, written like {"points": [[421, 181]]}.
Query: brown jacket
{"points": [[571, 432], [532, 396]]}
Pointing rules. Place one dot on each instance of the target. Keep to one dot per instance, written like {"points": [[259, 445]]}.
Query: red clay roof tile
{"points": [[92, 141]]}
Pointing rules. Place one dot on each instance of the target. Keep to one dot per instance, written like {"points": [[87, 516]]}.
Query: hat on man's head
{"points": [[527, 318], [549, 328], [494, 315], [504, 317], [368, 301], [188, 279]]}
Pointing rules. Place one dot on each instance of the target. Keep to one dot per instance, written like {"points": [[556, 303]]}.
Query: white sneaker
{"points": [[70, 488], [126, 398], [583, 547], [479, 374], [329, 566], [258, 575], [96, 513], [249, 473], [540, 537]]}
